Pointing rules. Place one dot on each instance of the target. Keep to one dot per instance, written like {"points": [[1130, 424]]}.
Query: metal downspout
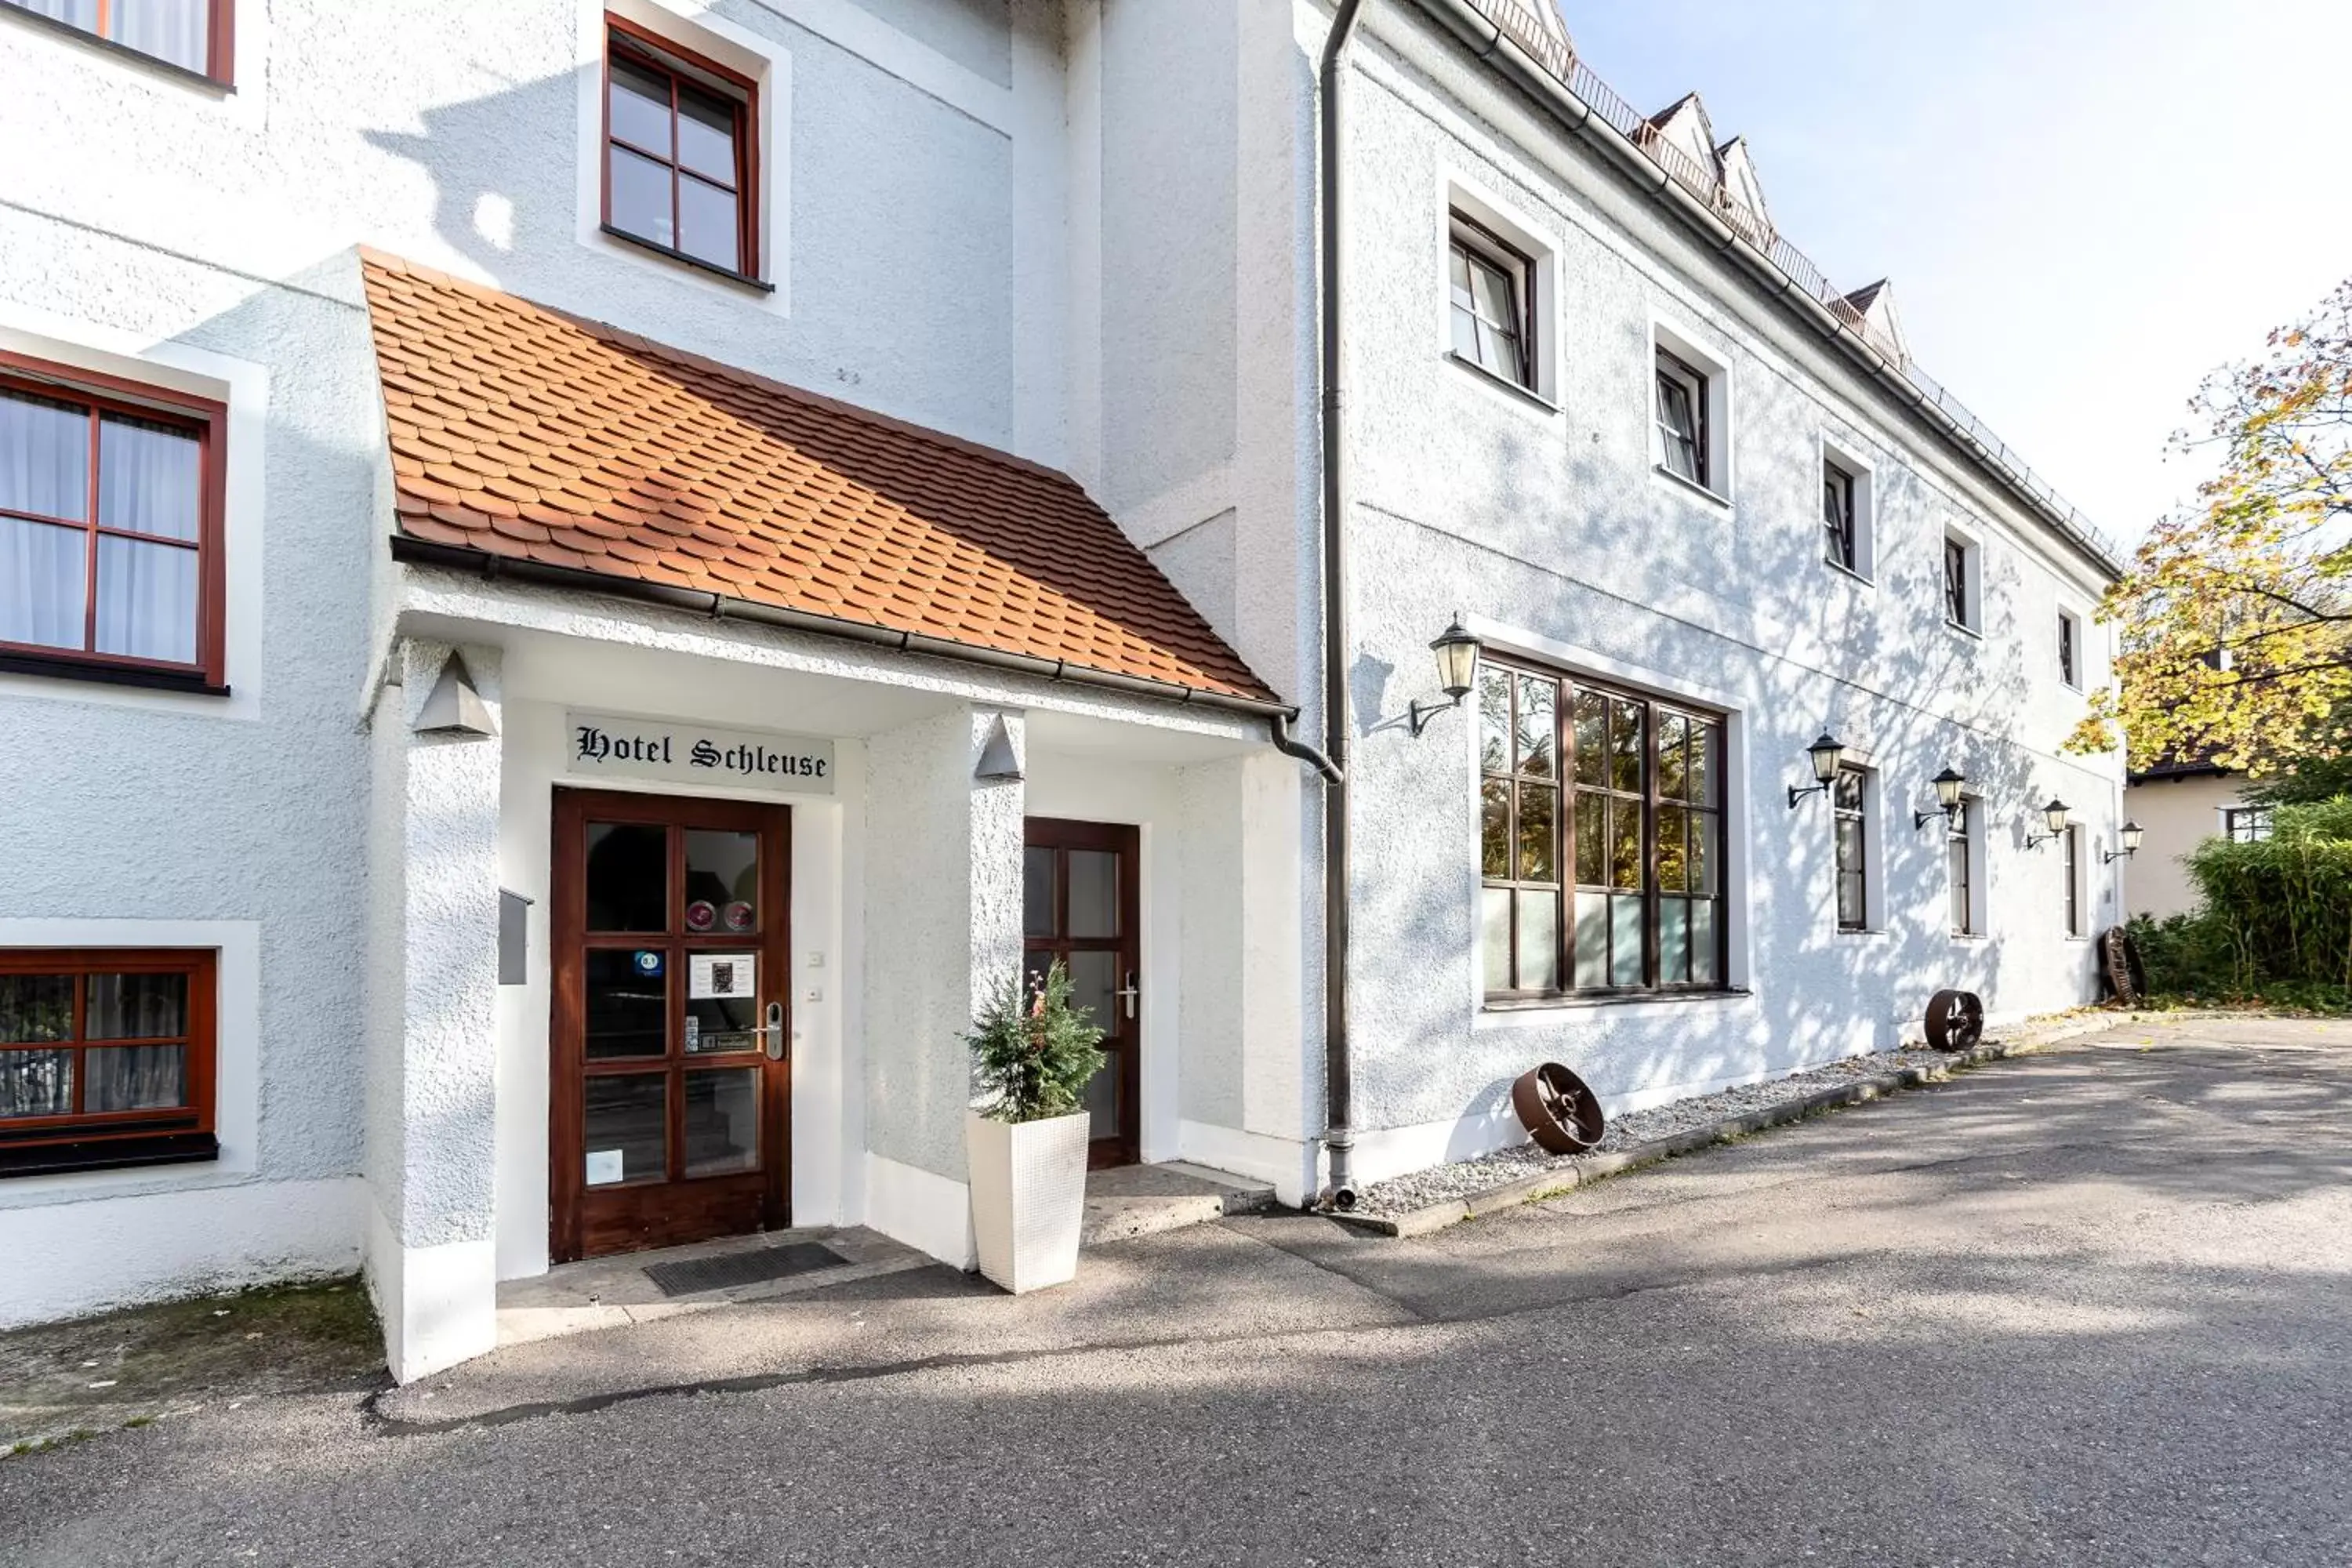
{"points": [[1338, 1071]]}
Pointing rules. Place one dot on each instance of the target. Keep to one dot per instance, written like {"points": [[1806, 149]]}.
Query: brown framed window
{"points": [[1958, 566], [2069, 670], [2070, 841], [1849, 823], [1683, 433], [1492, 303], [106, 1057], [681, 169], [1601, 839], [194, 35], [1837, 516], [1959, 867], [111, 497]]}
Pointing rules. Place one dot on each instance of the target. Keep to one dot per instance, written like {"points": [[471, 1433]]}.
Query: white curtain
{"points": [[42, 570], [82, 13], [147, 477], [146, 599], [44, 457], [175, 30]]}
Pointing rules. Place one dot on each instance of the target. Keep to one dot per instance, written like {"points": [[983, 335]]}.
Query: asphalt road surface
{"points": [[2092, 1307]]}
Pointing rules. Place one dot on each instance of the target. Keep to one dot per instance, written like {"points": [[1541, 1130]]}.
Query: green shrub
{"points": [[1033, 1054], [2276, 923]]}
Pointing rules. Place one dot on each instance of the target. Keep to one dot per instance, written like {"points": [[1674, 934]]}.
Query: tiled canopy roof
{"points": [[521, 432]]}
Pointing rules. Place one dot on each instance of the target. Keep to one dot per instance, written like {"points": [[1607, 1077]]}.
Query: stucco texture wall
{"points": [[2178, 816]]}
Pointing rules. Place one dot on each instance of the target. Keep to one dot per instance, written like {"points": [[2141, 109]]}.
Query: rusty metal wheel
{"points": [[1557, 1111], [1955, 1020], [2125, 977]]}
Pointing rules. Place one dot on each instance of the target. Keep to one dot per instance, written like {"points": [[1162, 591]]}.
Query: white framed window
{"points": [[2070, 649], [1854, 812], [2245, 823], [1690, 412], [1846, 513], [1964, 867], [2070, 843], [1500, 282], [1961, 579]]}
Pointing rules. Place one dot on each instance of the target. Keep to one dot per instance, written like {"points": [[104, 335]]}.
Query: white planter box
{"points": [[1028, 1197]]}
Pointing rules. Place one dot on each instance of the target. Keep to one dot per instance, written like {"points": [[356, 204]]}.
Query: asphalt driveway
{"points": [[2089, 1307]]}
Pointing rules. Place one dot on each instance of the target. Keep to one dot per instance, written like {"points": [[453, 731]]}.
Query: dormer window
{"points": [[1493, 326]]}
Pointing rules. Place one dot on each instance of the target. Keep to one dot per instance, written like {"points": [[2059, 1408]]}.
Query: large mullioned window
{"points": [[1602, 838]]}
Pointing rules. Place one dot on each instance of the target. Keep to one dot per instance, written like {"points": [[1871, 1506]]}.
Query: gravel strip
{"points": [[1402, 1195]]}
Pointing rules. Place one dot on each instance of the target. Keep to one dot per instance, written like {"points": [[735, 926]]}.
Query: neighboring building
{"points": [[579, 582], [2180, 806]]}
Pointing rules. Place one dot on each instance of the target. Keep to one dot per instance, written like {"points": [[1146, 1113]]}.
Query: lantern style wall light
{"points": [[1828, 756], [1948, 799], [1457, 665], [2053, 816], [2131, 833]]}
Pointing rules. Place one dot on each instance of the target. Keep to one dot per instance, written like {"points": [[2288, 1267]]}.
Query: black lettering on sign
{"points": [[703, 755]]}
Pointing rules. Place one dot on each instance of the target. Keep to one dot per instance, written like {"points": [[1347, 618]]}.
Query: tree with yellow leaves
{"points": [[2235, 623]]}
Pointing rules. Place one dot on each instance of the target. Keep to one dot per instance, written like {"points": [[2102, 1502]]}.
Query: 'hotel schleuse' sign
{"points": [[698, 753]]}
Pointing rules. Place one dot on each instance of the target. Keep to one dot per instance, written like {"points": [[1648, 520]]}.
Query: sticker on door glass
{"points": [[650, 961], [741, 916], [701, 915], [721, 976], [603, 1166]]}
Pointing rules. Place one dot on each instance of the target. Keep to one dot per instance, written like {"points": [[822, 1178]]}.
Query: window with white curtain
{"points": [[108, 533], [190, 34]]}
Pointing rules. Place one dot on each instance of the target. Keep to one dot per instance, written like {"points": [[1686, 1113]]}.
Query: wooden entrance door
{"points": [[1078, 904], [670, 1093]]}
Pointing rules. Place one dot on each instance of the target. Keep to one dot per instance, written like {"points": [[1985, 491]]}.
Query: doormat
{"points": [[689, 1274]]}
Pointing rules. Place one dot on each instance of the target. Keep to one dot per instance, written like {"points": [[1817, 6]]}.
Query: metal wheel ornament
{"points": [[1557, 1111], [1955, 1020], [2120, 966]]}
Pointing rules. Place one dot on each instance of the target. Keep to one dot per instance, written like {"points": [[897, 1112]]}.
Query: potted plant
{"points": [[1025, 1138]]}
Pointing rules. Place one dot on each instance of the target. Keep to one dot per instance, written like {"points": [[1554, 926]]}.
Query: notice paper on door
{"points": [[603, 1166], [722, 976]]}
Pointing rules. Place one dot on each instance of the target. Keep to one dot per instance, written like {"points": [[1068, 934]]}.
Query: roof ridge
{"points": [[628, 337]]}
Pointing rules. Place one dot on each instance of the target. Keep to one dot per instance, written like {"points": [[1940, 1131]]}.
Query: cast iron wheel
{"points": [[1955, 1020], [2120, 966], [1557, 1111]]}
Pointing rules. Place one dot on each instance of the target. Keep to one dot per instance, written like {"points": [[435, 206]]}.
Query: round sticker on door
{"points": [[739, 916], [700, 915], [648, 962]]}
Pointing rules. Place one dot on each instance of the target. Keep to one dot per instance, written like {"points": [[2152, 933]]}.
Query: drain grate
{"points": [[689, 1274]]}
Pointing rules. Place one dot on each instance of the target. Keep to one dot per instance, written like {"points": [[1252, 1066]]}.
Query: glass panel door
{"points": [[1079, 903]]}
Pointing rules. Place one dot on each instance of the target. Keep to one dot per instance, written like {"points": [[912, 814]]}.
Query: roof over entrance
{"points": [[519, 431]]}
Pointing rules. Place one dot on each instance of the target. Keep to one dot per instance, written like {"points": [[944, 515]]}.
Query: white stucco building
{"points": [[580, 579]]}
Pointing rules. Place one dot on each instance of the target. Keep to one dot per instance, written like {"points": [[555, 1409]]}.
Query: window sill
{"points": [[62, 668], [1610, 999], [1848, 573], [1862, 931], [1971, 936], [740, 280], [1962, 628], [171, 70], [1717, 497], [115, 1154], [1524, 393]]}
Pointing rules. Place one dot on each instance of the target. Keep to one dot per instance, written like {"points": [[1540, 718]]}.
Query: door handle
{"points": [[772, 1034], [1127, 993]]}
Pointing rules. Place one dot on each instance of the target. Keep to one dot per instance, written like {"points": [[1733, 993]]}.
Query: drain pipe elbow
{"points": [[1290, 745]]}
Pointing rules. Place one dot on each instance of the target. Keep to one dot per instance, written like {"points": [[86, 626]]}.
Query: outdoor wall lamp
{"points": [[1948, 799], [1457, 661], [1828, 755], [2131, 833], [2053, 816]]}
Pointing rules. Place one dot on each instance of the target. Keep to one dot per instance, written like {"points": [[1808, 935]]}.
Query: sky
{"points": [[2084, 204]]}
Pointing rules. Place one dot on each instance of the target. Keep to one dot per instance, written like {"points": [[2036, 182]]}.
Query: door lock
{"points": [[772, 1035]]}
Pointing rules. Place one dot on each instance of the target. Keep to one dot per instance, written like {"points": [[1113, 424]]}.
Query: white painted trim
{"points": [[1288, 1163], [1866, 507], [767, 62], [1458, 192], [237, 1069], [928, 1212], [1180, 507], [438, 1304], [153, 1247], [849, 26], [1721, 414], [243, 385]]}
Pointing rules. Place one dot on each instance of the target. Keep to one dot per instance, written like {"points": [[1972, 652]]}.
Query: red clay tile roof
{"points": [[522, 432]]}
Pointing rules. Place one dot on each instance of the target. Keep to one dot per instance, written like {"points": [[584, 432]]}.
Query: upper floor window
{"points": [[1686, 440], [106, 1057], [680, 172], [1963, 587], [193, 35], [109, 525], [1492, 303], [1838, 517], [2070, 636], [1847, 799], [2246, 824], [1617, 887]]}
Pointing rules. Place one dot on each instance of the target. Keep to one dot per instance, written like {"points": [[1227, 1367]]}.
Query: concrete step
{"points": [[1143, 1200]]}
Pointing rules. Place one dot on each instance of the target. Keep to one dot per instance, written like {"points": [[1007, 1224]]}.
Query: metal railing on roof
{"points": [[1704, 182]]}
